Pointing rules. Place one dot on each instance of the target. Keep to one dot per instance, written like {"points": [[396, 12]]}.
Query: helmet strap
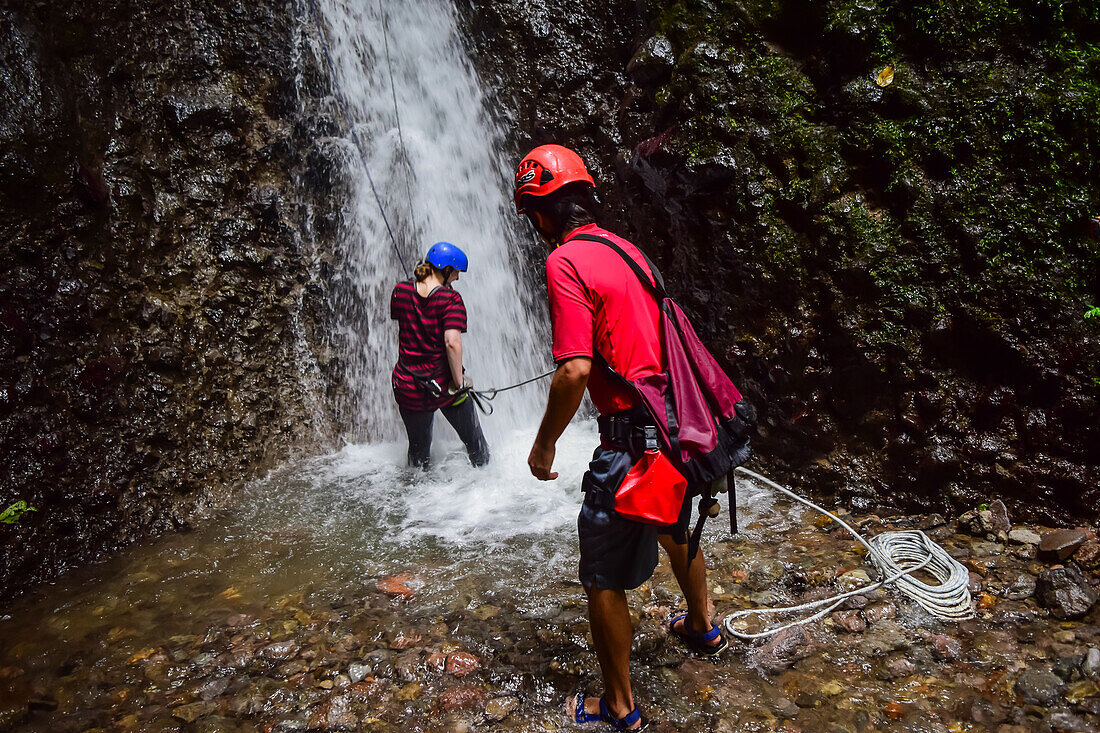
{"points": [[542, 225]]}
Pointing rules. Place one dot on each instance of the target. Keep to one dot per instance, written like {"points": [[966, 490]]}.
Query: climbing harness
{"points": [[339, 93], [897, 555], [482, 398]]}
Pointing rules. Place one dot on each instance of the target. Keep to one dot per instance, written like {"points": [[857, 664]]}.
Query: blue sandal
{"points": [[581, 717], [698, 643]]}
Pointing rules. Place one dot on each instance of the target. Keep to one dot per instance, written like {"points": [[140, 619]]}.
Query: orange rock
{"points": [[436, 661], [369, 690], [986, 601], [461, 663], [397, 586], [141, 656], [737, 576], [894, 710]]}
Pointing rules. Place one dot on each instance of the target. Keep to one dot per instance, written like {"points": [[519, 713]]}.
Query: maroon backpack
{"points": [[700, 416]]}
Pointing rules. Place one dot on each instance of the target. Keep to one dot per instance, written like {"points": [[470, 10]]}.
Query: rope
{"points": [[339, 93], [897, 555], [393, 95], [483, 398], [490, 394]]}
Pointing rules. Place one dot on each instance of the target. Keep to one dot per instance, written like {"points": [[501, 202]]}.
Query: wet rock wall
{"points": [[161, 299], [896, 275]]}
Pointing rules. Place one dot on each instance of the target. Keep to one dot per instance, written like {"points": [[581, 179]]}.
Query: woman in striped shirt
{"points": [[431, 318]]}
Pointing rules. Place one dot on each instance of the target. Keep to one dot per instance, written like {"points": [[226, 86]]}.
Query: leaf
{"points": [[885, 77], [12, 514]]}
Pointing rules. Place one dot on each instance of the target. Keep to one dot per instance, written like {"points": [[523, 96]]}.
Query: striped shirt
{"points": [[420, 348]]}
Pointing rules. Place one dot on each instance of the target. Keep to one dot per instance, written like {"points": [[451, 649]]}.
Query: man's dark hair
{"points": [[571, 206]]}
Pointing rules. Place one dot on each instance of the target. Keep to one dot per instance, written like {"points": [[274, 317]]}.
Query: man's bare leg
{"points": [[609, 619], [692, 579]]}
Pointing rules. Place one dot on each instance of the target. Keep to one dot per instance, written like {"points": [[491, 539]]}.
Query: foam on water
{"points": [[449, 181], [368, 486]]}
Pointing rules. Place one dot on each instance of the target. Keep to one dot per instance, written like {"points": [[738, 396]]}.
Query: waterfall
{"points": [[454, 185]]}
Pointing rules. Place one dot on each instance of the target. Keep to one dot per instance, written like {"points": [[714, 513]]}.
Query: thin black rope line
{"points": [[396, 110], [490, 394], [339, 93]]}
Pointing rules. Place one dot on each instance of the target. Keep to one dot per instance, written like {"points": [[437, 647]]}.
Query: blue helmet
{"points": [[445, 254]]}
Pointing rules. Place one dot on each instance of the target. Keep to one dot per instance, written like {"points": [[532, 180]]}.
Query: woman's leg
{"points": [[418, 425], [463, 419]]}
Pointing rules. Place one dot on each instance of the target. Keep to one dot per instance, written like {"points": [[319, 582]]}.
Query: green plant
{"points": [[1093, 312], [12, 514]]}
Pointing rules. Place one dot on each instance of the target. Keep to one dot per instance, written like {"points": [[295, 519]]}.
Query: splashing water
{"points": [[434, 155]]}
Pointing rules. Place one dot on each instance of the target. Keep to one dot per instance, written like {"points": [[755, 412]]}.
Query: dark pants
{"points": [[463, 418]]}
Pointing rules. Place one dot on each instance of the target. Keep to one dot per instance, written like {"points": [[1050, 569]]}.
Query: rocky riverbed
{"points": [[260, 633]]}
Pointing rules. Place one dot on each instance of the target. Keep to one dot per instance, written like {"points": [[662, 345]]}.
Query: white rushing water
{"points": [[453, 186]]}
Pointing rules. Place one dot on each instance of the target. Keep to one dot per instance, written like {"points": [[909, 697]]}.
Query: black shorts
{"points": [[617, 553]]}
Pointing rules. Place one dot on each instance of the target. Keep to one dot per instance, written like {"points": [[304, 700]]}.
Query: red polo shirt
{"points": [[598, 303]]}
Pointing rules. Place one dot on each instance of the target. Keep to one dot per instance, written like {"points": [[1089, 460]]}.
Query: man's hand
{"points": [[566, 391], [541, 461]]}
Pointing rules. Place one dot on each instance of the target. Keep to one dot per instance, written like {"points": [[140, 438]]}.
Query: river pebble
{"points": [[1030, 660]]}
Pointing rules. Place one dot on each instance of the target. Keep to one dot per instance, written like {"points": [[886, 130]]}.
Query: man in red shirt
{"points": [[600, 310]]}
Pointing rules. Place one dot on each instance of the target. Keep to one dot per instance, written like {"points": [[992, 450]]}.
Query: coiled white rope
{"points": [[897, 555]]}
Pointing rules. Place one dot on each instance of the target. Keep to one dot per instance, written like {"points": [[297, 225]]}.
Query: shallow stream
{"points": [[350, 593]]}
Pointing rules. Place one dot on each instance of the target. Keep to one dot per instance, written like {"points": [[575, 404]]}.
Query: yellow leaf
{"points": [[885, 77]]}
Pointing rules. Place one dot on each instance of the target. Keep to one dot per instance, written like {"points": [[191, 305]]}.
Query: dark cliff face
{"points": [[896, 275], [159, 295]]}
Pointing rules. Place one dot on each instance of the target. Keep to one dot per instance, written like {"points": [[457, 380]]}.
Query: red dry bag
{"points": [[652, 490]]}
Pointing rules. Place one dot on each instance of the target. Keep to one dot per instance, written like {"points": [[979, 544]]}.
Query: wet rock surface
{"points": [[907, 335], [165, 645], [161, 304]]}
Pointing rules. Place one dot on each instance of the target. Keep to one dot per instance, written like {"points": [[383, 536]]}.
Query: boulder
{"points": [[782, 650], [1039, 687], [1022, 536], [763, 574], [978, 522], [461, 664], [850, 621], [500, 707], [466, 696], [1000, 519], [945, 648], [1065, 592], [1090, 666], [1061, 544], [1088, 555]]}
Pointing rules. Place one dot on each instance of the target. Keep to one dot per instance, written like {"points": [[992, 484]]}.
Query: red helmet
{"points": [[546, 169]]}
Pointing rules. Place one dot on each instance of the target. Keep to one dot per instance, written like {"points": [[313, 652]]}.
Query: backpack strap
{"points": [[657, 287], [657, 284]]}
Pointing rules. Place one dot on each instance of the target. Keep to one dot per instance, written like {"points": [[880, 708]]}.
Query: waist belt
{"points": [[633, 431], [432, 387]]}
